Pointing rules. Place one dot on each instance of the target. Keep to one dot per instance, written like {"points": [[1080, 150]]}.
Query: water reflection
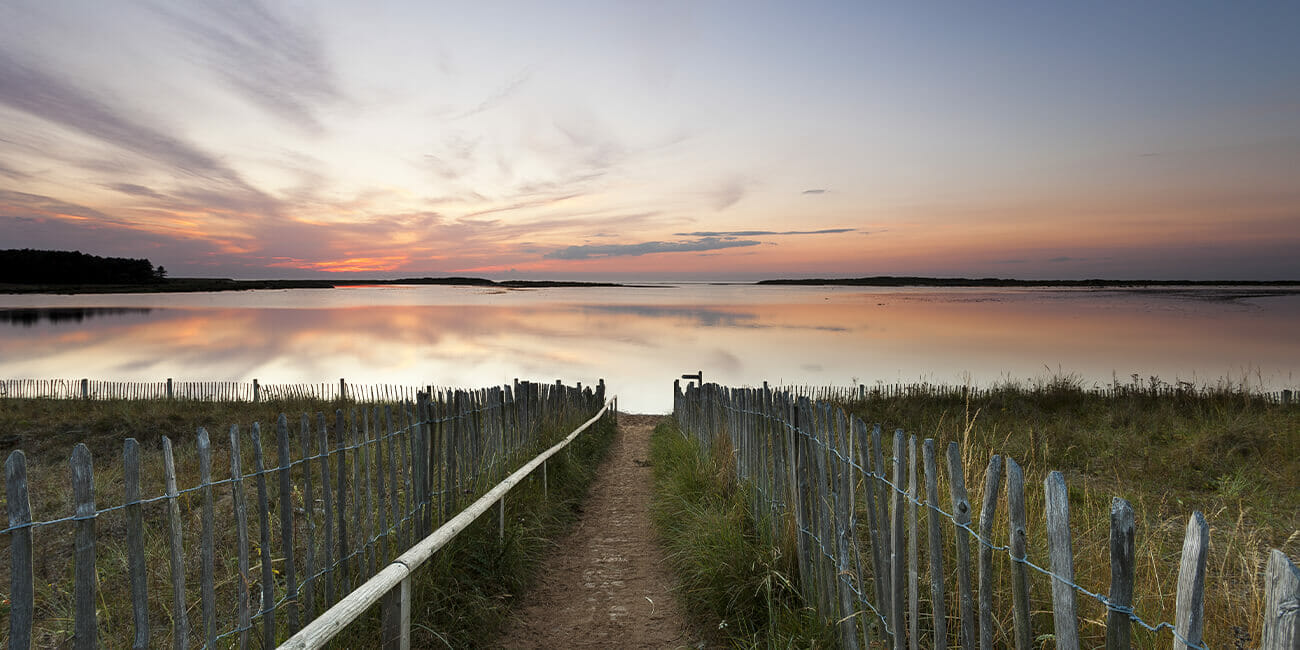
{"points": [[29, 317], [639, 342]]}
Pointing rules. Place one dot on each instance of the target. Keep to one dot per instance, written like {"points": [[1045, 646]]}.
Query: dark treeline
{"points": [[29, 266]]}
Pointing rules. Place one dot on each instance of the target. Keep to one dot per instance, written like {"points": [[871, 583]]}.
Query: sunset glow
{"points": [[677, 140]]}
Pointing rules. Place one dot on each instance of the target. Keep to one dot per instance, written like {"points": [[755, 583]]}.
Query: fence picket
{"points": [[1189, 608], [21, 591], [241, 529], [305, 437], [992, 486], [286, 519], [85, 623], [961, 513], [135, 542], [267, 609], [896, 545], [1121, 574], [1018, 540], [940, 622], [176, 547], [1064, 612], [1281, 627], [207, 592], [913, 564]]}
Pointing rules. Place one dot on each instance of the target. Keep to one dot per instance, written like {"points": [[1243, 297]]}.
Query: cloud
{"points": [[815, 191], [757, 233], [500, 96], [275, 64], [1063, 258], [135, 190], [590, 251], [729, 193]]}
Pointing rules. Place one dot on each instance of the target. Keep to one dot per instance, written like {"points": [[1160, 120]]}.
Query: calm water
{"points": [[640, 339]]}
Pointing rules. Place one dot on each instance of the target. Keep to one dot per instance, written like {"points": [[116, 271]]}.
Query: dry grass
{"points": [[46, 430]]}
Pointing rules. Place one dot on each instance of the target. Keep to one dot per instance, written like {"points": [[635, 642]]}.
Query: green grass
{"points": [[733, 578], [462, 594]]}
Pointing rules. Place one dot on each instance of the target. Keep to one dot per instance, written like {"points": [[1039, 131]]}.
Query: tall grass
{"points": [[1233, 457], [461, 595], [736, 580], [1226, 453]]}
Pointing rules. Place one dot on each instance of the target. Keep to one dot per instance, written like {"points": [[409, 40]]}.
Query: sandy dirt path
{"points": [[606, 585]]}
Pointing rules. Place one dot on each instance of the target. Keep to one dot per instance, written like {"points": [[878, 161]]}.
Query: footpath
{"points": [[607, 585]]}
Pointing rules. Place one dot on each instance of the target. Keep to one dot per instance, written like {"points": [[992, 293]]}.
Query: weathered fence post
{"points": [[264, 528], [940, 639], [206, 551], [21, 591], [992, 483], [1189, 605], [176, 548], [241, 528], [961, 514], [1118, 626], [85, 625], [85, 389], [170, 394], [1018, 541], [257, 391], [896, 559], [1064, 612], [286, 518], [1281, 628], [135, 542]]}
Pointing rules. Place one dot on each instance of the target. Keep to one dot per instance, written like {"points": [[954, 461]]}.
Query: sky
{"points": [[671, 140]]}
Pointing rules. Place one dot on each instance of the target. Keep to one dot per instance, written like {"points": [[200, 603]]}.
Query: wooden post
{"points": [[1064, 612], [135, 542], [940, 639], [241, 527], [1017, 539], [1281, 627], [264, 529], [305, 438], [992, 485], [1121, 574], [1189, 607], [170, 394], [85, 389], [961, 514], [327, 516], [343, 389], [286, 518], [85, 623], [913, 563], [897, 620], [21, 591], [175, 545], [257, 391]]}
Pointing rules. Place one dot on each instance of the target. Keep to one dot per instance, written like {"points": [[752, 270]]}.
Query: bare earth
{"points": [[606, 585]]}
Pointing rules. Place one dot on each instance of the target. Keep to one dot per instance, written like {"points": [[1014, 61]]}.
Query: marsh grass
{"points": [[1225, 452], [46, 430], [736, 581]]}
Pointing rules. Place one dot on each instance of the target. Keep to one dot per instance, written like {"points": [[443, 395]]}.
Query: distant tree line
{"points": [[29, 266]]}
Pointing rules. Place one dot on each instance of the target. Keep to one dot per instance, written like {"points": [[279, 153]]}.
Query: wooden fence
{"points": [[339, 502], [806, 462], [1151, 388], [213, 391]]}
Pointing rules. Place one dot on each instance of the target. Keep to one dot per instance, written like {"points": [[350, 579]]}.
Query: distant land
{"points": [[916, 281], [183, 285]]}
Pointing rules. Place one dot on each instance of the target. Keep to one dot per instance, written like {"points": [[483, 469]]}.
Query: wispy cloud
{"points": [[135, 190], [759, 233], [590, 251], [42, 95], [274, 63], [500, 96], [815, 191]]}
